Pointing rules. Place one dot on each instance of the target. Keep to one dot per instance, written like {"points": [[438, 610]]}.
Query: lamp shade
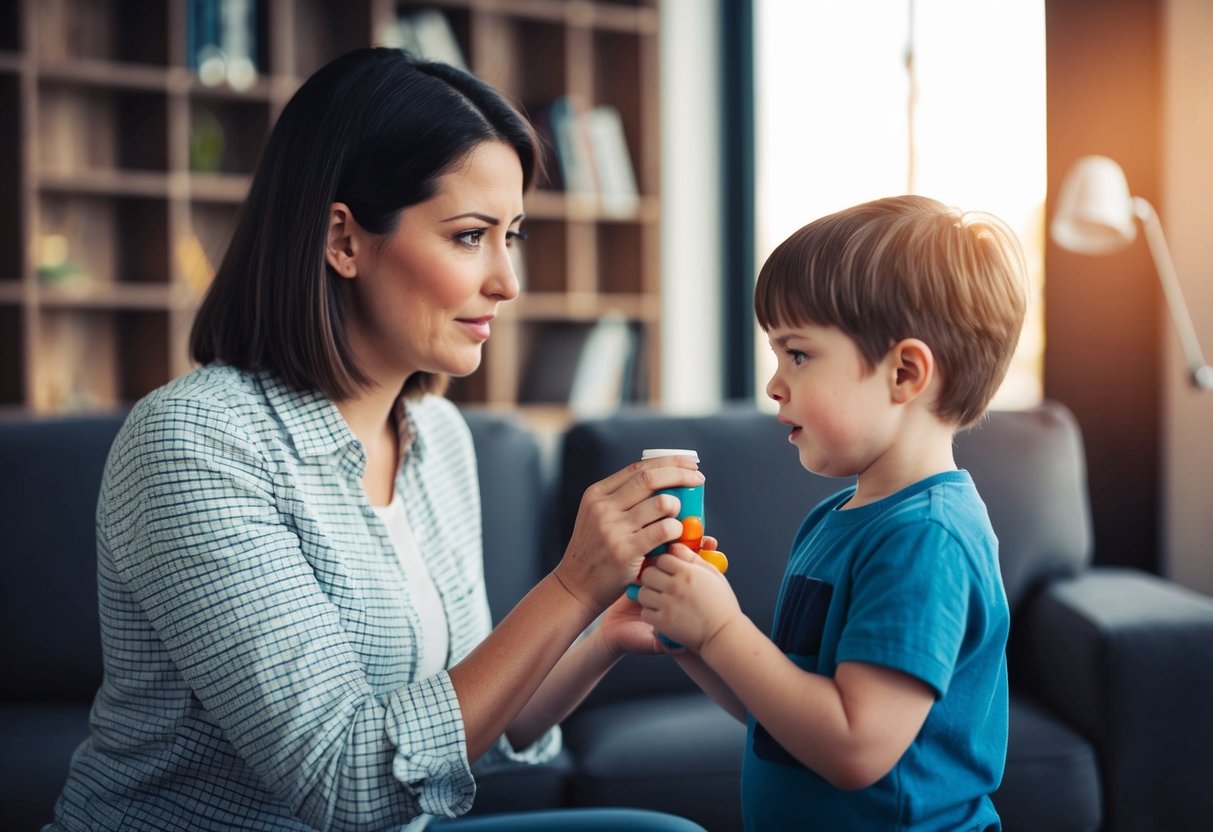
{"points": [[1094, 212]]}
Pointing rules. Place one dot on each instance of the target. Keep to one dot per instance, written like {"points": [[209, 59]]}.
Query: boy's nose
{"points": [[774, 389]]}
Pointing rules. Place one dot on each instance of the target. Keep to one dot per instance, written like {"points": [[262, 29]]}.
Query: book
{"points": [[574, 156], [602, 378], [552, 361], [425, 34], [541, 121], [617, 189], [221, 42]]}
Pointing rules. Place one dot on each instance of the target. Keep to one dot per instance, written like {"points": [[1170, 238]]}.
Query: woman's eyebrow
{"points": [[484, 218]]}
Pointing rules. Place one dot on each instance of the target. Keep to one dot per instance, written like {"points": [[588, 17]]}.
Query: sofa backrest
{"points": [[1030, 469], [50, 644], [755, 497], [514, 506], [1028, 465]]}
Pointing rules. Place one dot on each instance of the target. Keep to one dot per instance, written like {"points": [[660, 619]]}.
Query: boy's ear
{"points": [[912, 369], [341, 241]]}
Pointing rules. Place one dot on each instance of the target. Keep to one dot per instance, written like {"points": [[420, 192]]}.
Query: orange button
{"points": [[692, 532]]}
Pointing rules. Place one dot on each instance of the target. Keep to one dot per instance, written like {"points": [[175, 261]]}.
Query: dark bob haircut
{"points": [[373, 129]]}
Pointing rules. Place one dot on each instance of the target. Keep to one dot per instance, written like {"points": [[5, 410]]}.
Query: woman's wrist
{"points": [[567, 589], [571, 588]]}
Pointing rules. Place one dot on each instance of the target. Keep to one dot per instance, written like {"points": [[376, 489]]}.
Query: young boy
{"points": [[880, 699]]}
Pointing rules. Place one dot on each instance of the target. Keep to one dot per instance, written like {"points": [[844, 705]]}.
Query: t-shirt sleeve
{"points": [[909, 604]]}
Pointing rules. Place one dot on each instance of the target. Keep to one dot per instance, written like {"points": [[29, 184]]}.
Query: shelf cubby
{"points": [[124, 171]]}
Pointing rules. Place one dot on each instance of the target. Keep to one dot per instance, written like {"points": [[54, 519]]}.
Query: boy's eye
{"points": [[797, 357]]}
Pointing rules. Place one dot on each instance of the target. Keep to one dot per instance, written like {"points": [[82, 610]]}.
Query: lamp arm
{"points": [[1201, 372]]}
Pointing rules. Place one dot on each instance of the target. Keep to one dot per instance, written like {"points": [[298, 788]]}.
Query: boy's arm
{"points": [[712, 684], [851, 729]]}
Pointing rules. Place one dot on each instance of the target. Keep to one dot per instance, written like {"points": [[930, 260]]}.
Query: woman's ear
{"points": [[913, 366], [341, 243]]}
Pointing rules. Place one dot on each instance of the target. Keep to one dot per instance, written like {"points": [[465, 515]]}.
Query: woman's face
{"points": [[422, 297]]}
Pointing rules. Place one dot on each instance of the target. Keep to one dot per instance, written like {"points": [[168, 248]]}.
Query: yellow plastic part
{"points": [[715, 558]]}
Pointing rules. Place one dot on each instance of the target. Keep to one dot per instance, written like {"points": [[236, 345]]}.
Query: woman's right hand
{"points": [[619, 521]]}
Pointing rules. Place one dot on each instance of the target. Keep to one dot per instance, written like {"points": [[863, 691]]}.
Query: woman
{"points": [[294, 622]]}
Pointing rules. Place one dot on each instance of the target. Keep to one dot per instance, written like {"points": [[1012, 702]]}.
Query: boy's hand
{"points": [[685, 598]]}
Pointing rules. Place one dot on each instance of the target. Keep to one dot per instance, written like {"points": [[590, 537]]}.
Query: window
{"points": [[946, 98]]}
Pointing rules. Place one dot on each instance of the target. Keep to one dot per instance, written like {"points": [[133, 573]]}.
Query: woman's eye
{"points": [[511, 236], [471, 238]]}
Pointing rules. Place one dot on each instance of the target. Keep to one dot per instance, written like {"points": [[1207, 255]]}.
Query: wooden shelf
{"points": [[125, 173]]}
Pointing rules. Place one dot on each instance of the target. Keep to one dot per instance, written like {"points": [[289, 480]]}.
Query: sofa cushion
{"points": [[669, 753], [513, 788], [1052, 775], [39, 741], [679, 754], [50, 647]]}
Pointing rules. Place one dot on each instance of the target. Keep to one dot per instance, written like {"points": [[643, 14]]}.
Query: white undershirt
{"points": [[434, 639]]}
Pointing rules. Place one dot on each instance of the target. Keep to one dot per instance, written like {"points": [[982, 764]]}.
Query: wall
{"points": [[1187, 213], [1103, 333], [691, 267], [1133, 79]]}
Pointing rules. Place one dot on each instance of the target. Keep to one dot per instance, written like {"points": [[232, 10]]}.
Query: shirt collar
{"points": [[412, 443], [316, 426]]}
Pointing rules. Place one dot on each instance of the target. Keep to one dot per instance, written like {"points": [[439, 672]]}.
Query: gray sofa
{"points": [[1111, 669]]}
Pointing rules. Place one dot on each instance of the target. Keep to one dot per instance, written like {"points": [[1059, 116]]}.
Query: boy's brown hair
{"points": [[908, 267]]}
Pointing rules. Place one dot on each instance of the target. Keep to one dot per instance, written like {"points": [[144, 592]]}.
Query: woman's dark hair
{"points": [[373, 129]]}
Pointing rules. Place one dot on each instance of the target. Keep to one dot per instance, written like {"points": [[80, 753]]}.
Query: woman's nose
{"points": [[503, 281]]}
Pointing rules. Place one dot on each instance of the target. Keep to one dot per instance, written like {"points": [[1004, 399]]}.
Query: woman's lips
{"points": [[478, 328]]}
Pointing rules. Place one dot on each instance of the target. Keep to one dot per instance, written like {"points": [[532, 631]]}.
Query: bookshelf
{"points": [[121, 173]]}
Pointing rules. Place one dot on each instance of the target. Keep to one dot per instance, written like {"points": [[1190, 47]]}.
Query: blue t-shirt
{"points": [[910, 582]]}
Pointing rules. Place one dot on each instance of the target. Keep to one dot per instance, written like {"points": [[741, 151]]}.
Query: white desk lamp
{"points": [[1095, 215]]}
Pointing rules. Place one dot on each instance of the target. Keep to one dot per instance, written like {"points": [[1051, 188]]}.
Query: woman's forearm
{"points": [[498, 678], [575, 675]]}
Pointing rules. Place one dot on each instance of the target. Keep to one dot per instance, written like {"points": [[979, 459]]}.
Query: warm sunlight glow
{"points": [[839, 122]]}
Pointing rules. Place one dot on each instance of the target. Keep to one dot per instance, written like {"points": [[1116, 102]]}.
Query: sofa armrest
{"points": [[1127, 658]]}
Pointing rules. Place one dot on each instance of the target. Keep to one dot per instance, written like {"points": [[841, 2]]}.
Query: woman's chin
{"points": [[463, 366]]}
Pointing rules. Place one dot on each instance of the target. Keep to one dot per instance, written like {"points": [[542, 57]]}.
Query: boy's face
{"points": [[838, 408]]}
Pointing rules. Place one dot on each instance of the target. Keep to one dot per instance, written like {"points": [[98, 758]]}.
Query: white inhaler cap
{"points": [[653, 453]]}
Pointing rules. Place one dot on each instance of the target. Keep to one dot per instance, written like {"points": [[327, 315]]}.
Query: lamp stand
{"points": [[1200, 371]]}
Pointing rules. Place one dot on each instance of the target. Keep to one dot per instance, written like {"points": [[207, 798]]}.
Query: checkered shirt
{"points": [[260, 645]]}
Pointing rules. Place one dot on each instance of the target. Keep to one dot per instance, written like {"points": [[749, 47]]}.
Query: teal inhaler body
{"points": [[691, 515], [690, 500]]}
